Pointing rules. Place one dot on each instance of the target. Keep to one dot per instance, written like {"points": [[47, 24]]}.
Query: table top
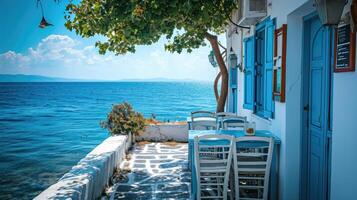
{"points": [[235, 133]]}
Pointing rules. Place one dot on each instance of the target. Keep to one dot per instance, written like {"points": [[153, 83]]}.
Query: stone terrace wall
{"points": [[165, 132], [89, 177]]}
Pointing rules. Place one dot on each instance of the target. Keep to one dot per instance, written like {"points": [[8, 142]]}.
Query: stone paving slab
{"points": [[158, 171]]}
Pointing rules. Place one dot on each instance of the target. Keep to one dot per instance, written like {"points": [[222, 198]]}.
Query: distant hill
{"points": [[36, 78], [31, 78], [158, 80]]}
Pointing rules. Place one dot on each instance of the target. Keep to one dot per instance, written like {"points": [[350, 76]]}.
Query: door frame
{"points": [[305, 100]]}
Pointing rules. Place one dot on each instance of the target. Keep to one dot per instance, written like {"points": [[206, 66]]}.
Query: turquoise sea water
{"points": [[46, 128]]}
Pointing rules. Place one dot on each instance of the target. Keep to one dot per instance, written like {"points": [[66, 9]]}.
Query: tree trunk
{"points": [[215, 86], [223, 70]]}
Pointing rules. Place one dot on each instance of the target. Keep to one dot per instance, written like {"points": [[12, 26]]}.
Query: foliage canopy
{"points": [[128, 23]]}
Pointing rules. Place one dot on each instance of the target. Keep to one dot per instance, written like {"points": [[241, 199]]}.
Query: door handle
{"points": [[307, 108]]}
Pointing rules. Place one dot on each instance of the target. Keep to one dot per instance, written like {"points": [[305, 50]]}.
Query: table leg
{"points": [[274, 175]]}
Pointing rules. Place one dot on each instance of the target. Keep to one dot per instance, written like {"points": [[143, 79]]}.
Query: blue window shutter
{"points": [[249, 73], [268, 105]]}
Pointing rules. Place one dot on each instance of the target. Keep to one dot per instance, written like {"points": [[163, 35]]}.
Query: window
{"points": [[258, 89]]}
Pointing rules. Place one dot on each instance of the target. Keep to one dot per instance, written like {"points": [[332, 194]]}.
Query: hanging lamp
{"points": [[330, 11], [43, 23], [212, 59]]}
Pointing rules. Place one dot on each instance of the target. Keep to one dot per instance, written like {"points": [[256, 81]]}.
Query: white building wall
{"points": [[288, 117], [285, 124], [344, 135], [293, 115]]}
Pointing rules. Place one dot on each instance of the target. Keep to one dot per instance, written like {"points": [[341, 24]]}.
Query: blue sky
{"points": [[55, 51]]}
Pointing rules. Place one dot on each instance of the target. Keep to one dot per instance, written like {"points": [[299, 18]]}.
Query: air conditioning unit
{"points": [[250, 11]]}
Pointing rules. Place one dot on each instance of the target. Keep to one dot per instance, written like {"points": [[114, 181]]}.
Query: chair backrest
{"points": [[222, 115], [234, 123], [203, 120], [213, 158], [252, 161], [226, 114]]}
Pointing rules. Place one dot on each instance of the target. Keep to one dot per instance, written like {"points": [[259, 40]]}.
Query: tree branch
{"points": [[215, 86], [223, 70]]}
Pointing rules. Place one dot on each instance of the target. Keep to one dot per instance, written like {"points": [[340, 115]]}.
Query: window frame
{"points": [[279, 95]]}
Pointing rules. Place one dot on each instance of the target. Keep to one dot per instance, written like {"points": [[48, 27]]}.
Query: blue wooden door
{"points": [[318, 41]]}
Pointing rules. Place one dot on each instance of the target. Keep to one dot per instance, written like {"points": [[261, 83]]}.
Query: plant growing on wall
{"points": [[122, 120], [125, 24]]}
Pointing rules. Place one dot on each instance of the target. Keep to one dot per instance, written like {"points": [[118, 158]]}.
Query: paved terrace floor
{"points": [[158, 171]]}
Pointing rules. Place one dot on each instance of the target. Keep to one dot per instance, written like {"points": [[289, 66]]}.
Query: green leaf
{"points": [[128, 24]]}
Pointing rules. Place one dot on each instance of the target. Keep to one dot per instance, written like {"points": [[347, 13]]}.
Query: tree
{"points": [[129, 23], [122, 119]]}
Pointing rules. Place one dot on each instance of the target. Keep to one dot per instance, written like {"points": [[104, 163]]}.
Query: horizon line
{"points": [[64, 79]]}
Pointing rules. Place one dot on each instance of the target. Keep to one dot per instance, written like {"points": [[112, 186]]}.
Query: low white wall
{"points": [[89, 177], [165, 132]]}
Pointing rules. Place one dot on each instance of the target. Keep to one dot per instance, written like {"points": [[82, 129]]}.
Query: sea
{"points": [[46, 128]]}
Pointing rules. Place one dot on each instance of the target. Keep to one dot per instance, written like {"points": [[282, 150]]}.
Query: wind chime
{"points": [[43, 23]]}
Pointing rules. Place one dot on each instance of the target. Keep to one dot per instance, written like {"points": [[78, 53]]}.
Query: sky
{"points": [[57, 52]]}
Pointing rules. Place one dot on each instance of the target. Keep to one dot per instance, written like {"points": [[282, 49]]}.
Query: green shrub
{"points": [[123, 120]]}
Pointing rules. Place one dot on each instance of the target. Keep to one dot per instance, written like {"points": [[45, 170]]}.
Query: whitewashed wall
{"points": [[287, 121], [165, 132], [89, 177], [344, 136], [293, 112]]}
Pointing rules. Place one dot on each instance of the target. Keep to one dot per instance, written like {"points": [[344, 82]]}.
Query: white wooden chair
{"points": [[252, 162], [213, 158], [203, 120], [222, 115], [234, 123]]}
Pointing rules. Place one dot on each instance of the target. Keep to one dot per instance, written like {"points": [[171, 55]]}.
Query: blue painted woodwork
{"points": [[235, 99], [317, 83], [258, 94], [236, 133], [268, 104], [260, 39], [233, 77], [233, 84], [249, 73], [330, 112]]}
